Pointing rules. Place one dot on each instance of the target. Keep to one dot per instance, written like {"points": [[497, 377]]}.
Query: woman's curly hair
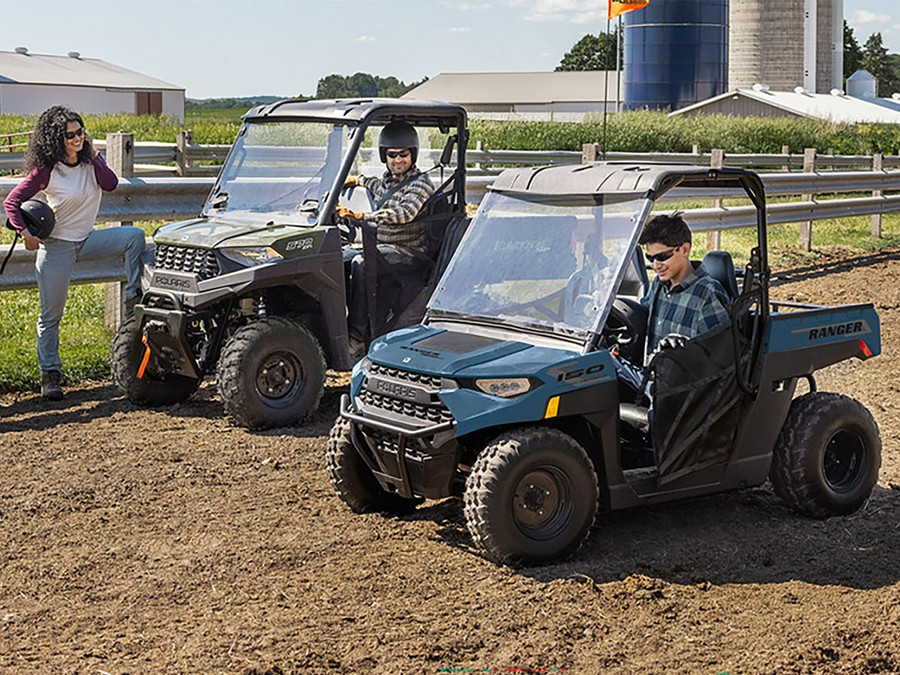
{"points": [[48, 142]]}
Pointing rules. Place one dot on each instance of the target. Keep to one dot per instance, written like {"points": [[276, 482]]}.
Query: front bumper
{"points": [[164, 323], [412, 461]]}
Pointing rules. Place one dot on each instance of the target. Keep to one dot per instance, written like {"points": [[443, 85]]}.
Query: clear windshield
{"points": [[541, 265], [286, 169]]}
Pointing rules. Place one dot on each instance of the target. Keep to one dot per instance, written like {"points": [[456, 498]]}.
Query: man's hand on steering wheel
{"points": [[347, 222], [344, 212]]}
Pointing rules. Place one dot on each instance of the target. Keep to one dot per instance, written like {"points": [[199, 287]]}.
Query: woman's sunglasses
{"points": [[660, 257], [72, 134]]}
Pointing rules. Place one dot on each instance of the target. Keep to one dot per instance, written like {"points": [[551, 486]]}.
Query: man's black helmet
{"points": [[39, 218], [398, 135]]}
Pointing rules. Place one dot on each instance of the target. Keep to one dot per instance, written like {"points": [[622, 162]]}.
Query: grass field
{"points": [[84, 342]]}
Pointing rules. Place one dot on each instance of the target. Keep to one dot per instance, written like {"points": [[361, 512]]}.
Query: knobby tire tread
{"points": [[240, 405], [798, 448]]}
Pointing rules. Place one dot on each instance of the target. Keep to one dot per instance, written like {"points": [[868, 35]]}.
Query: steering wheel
{"points": [[347, 228], [626, 328]]}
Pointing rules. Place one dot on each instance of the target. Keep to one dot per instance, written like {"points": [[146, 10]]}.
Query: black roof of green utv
{"points": [[617, 179], [422, 113]]}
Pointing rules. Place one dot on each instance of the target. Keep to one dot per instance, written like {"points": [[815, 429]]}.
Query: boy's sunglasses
{"points": [[72, 134], [394, 154], [660, 257]]}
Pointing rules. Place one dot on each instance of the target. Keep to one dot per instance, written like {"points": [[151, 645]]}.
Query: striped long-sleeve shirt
{"points": [[393, 219]]}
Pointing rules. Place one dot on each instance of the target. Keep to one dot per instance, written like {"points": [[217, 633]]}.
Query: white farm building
{"points": [[31, 83], [566, 96]]}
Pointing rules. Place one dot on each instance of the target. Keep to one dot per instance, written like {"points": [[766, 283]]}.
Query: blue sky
{"points": [[219, 48]]}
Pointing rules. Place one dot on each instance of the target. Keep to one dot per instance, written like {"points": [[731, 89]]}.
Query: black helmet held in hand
{"points": [[398, 135], [39, 218]]}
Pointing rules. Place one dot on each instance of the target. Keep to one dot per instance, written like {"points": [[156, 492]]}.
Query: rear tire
{"points": [[125, 355], [271, 374], [827, 458], [353, 481], [531, 497]]}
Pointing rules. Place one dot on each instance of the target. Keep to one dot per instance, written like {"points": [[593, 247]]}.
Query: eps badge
{"points": [[407, 359]]}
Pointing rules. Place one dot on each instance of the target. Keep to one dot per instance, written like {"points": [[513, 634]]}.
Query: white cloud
{"points": [[459, 30], [573, 11], [467, 6], [365, 38], [862, 16]]}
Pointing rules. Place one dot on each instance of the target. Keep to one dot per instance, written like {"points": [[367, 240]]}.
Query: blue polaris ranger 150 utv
{"points": [[507, 396]]}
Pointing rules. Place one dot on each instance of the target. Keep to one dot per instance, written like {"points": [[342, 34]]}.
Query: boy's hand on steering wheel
{"points": [[672, 341]]}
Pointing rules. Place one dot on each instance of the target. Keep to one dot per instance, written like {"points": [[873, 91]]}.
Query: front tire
{"points": [[125, 355], [271, 374], [827, 457], [353, 481], [531, 498]]}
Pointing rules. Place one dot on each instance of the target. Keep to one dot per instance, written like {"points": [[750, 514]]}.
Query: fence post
{"points": [[809, 166], [786, 150], [877, 165], [590, 152], [714, 239], [120, 157], [182, 141]]}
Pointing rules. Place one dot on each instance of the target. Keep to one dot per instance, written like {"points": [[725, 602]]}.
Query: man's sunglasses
{"points": [[394, 154], [660, 257], [72, 134]]}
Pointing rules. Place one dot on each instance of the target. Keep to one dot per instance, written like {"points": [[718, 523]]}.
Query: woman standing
{"points": [[63, 164]]}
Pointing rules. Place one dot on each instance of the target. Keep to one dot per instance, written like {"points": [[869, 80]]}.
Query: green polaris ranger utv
{"points": [[253, 290], [506, 394]]}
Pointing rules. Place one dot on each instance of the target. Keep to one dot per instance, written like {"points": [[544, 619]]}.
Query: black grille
{"points": [[199, 261], [434, 413], [432, 381]]}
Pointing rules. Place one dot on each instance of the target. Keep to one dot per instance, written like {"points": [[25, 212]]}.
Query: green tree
{"points": [[331, 86], [894, 67], [877, 61], [362, 85], [592, 52], [852, 52]]}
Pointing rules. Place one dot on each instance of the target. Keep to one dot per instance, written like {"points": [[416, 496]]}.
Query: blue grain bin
{"points": [[676, 53]]}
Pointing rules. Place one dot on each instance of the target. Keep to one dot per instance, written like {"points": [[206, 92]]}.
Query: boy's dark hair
{"points": [[670, 230]]}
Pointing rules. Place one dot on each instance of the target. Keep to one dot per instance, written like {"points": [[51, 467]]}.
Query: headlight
{"points": [[252, 255], [505, 387], [362, 365]]}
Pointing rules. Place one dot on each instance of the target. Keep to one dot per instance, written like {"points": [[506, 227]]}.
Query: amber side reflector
{"points": [[552, 408], [864, 349]]}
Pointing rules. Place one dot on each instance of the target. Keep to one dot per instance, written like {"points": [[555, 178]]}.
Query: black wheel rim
{"points": [[279, 376], [844, 460], [542, 503]]}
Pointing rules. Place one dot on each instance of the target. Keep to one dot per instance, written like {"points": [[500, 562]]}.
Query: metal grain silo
{"points": [[786, 44], [676, 53]]}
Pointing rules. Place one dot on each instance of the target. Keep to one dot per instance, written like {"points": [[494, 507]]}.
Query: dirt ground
{"points": [[167, 541]]}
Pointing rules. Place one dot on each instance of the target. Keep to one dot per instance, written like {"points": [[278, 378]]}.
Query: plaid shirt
{"points": [[393, 219], [693, 307]]}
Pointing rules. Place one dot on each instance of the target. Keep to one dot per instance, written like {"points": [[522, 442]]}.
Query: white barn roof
{"points": [[834, 107], [519, 88], [73, 70]]}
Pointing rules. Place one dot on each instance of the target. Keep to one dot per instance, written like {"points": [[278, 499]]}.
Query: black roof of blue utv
{"points": [[619, 179]]}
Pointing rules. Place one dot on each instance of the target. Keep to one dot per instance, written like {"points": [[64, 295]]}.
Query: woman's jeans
{"points": [[55, 262]]}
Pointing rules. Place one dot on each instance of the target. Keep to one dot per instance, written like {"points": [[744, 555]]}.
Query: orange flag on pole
{"points": [[617, 7]]}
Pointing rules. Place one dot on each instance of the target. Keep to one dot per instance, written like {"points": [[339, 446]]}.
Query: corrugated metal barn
{"points": [[31, 83], [567, 96]]}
